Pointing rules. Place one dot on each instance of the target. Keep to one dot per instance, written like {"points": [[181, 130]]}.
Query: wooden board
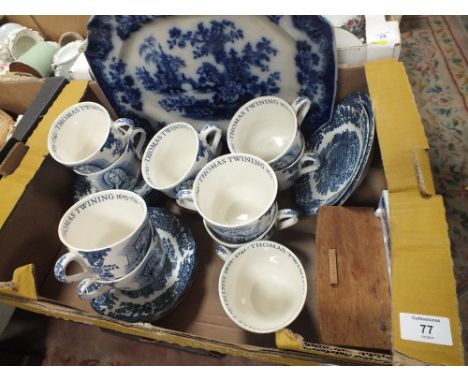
{"points": [[352, 279]]}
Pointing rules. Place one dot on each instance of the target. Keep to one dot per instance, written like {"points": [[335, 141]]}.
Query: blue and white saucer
{"points": [[201, 69], [82, 188], [158, 298], [343, 147]]}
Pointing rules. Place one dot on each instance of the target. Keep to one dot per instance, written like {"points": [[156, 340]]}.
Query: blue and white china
{"points": [[85, 138], [279, 219], [286, 218], [176, 154], [262, 287], [83, 188], [305, 163], [107, 233], [268, 127], [162, 295], [200, 69], [148, 269], [125, 172], [343, 148], [235, 194]]}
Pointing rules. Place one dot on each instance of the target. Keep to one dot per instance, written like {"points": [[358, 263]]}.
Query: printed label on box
{"points": [[422, 328]]}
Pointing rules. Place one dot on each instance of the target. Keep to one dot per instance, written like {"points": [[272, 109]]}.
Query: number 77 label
{"points": [[422, 328]]}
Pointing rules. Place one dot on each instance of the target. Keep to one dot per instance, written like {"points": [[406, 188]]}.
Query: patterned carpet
{"points": [[434, 52]]}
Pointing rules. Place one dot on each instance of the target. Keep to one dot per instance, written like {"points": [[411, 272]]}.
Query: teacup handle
{"points": [[184, 198], [62, 264], [301, 106], [223, 252], [205, 133], [120, 123], [308, 163], [89, 288], [141, 141], [286, 218]]}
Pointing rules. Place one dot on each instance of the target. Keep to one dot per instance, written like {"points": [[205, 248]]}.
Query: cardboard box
{"points": [[31, 99], [382, 41], [422, 275]]}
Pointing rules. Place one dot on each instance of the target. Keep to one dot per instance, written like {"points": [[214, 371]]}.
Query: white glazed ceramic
{"points": [[149, 268], [21, 40], [305, 163], [80, 69], [281, 219], [268, 127], [125, 172], [235, 194], [262, 287], [286, 218], [6, 29], [108, 233], [176, 154], [65, 58], [85, 138]]}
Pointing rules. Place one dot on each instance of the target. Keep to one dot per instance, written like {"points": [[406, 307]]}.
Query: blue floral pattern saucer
{"points": [[343, 148], [201, 69], [158, 298]]}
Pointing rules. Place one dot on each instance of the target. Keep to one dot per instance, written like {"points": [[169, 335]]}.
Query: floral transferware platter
{"points": [[158, 298], [343, 148], [199, 69]]}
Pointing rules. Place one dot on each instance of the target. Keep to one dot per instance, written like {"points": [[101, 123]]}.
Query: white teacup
{"points": [[262, 287], [108, 233], [268, 127], [176, 154], [235, 194], [124, 173], [145, 273], [305, 163], [85, 138]]}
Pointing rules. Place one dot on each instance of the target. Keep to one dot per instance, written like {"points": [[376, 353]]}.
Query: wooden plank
{"points": [[352, 281]]}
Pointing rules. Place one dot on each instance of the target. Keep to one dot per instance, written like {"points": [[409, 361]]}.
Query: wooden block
{"points": [[352, 280]]}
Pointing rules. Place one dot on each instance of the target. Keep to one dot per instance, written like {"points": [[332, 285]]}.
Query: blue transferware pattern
{"points": [[143, 274], [247, 232], [157, 69], [290, 156], [82, 188], [343, 148], [158, 298]]}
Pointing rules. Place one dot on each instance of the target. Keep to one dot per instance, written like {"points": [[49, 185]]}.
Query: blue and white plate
{"points": [[158, 298], [82, 187], [343, 147], [201, 69]]}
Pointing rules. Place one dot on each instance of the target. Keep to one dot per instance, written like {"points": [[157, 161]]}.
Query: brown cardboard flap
{"points": [[13, 158], [423, 172]]}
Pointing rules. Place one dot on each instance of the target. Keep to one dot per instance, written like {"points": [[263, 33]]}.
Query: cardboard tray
{"points": [[199, 322]]}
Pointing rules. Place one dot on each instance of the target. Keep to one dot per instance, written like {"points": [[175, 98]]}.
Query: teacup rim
{"points": [[144, 161], [236, 246], [84, 200], [232, 258], [52, 129], [126, 153], [268, 168], [290, 109]]}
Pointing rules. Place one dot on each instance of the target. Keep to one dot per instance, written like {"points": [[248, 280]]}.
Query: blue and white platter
{"points": [[82, 187], [343, 147], [199, 69], [162, 295]]}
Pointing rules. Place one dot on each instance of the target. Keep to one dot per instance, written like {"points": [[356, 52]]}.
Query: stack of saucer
{"points": [[343, 150], [105, 154], [136, 262]]}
